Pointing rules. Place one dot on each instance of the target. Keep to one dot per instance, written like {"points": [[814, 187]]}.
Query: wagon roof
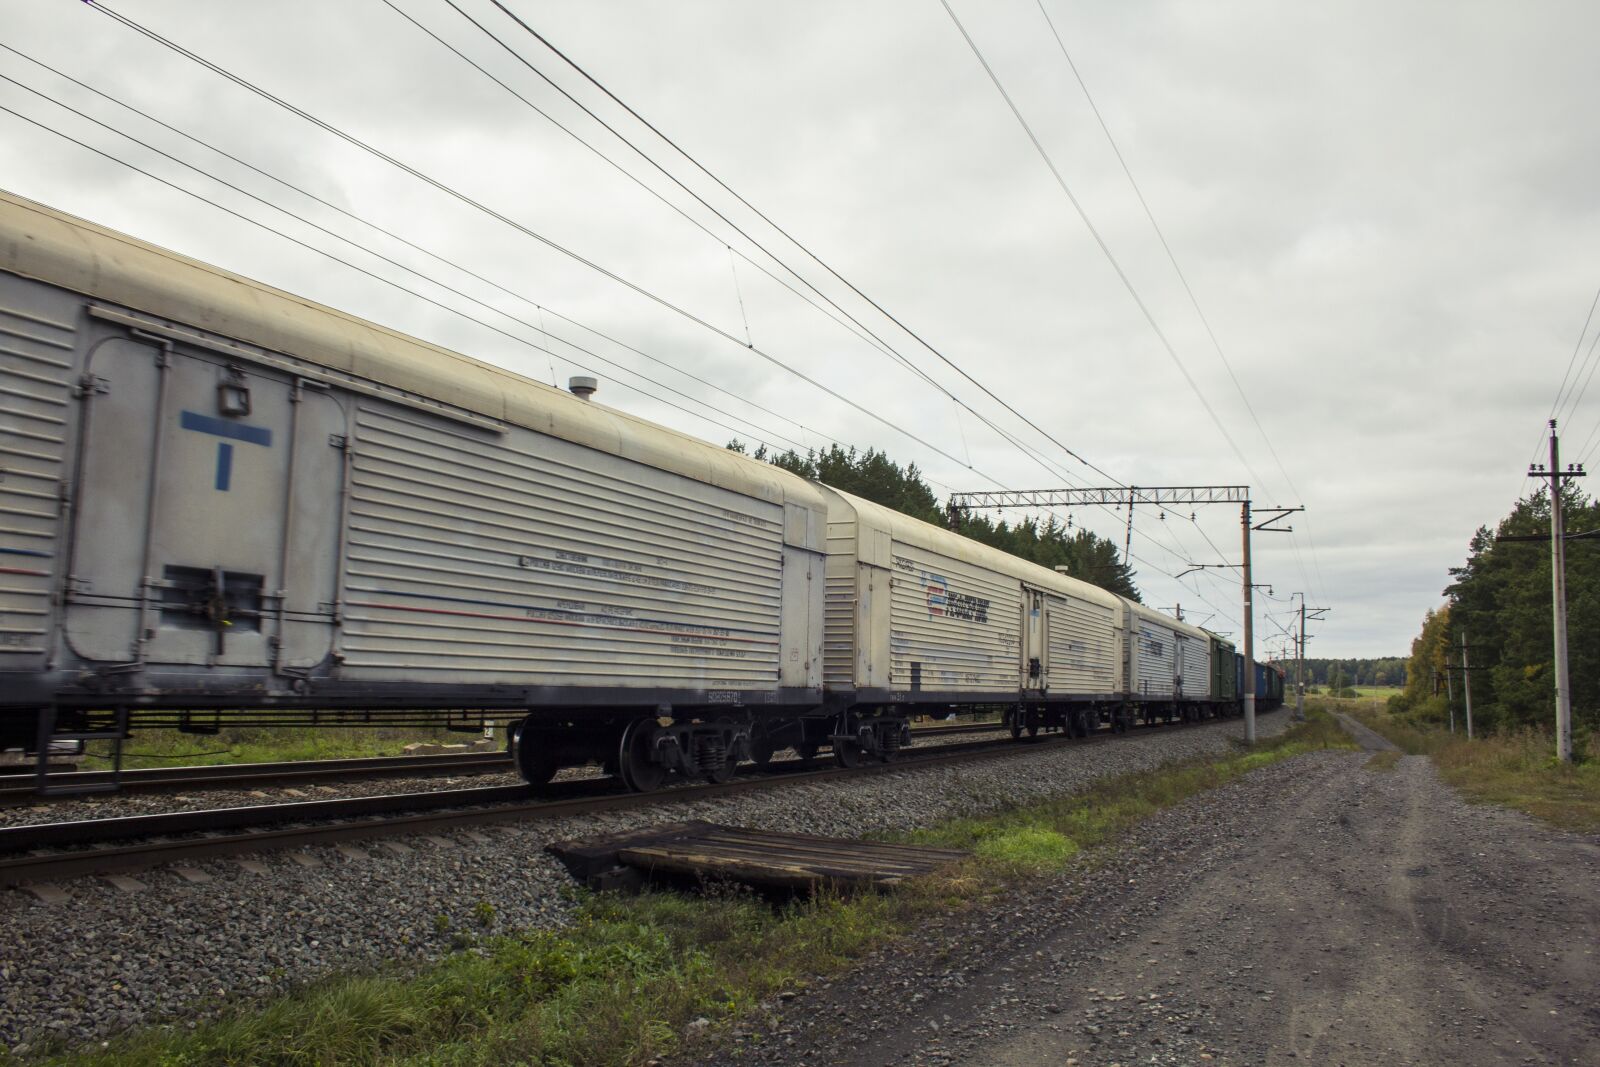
{"points": [[1168, 621], [915, 532], [39, 242]]}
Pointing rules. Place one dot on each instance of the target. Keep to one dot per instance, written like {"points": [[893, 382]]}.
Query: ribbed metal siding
{"points": [[537, 561], [1157, 659], [840, 611], [1083, 647], [35, 393], [1196, 669], [957, 622]]}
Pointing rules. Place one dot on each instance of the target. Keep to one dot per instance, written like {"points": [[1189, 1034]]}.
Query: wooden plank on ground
{"points": [[803, 862]]}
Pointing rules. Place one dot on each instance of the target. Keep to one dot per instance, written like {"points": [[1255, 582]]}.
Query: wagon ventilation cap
{"points": [[582, 386]]}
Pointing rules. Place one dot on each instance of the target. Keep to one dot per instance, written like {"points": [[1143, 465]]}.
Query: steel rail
{"points": [[22, 788], [261, 826], [17, 788]]}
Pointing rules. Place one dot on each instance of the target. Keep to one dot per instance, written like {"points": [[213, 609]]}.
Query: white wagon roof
{"points": [[1152, 615], [919, 534], [62, 250]]}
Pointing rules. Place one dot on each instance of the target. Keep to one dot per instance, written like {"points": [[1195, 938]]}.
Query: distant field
{"points": [[1368, 692]]}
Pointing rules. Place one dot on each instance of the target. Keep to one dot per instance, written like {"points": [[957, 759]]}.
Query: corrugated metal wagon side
{"points": [[923, 620], [226, 504]]}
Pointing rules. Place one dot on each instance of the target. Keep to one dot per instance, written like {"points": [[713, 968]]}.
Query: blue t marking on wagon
{"points": [[238, 431]]}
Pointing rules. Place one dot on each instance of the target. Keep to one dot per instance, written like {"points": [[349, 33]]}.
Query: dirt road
{"points": [[1321, 911]]}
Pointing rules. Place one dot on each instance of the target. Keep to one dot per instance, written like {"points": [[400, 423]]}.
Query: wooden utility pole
{"points": [[1449, 692], [1558, 590]]}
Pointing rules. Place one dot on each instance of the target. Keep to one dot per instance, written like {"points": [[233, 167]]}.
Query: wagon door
{"points": [[208, 508], [1180, 644], [1035, 641]]}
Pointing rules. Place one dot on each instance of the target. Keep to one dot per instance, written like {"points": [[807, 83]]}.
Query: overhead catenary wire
{"points": [[543, 239], [881, 344], [322, 252], [388, 233], [802, 247], [1100, 241], [834, 312], [499, 217], [1183, 279], [356, 142]]}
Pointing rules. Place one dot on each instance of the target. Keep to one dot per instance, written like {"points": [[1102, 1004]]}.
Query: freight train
{"points": [[224, 504]]}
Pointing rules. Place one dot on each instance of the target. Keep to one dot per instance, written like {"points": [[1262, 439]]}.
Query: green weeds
{"points": [[1516, 770], [252, 744], [623, 982]]}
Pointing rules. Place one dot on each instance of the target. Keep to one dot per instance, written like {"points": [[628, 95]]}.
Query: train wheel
{"points": [[536, 760], [846, 749], [637, 770]]}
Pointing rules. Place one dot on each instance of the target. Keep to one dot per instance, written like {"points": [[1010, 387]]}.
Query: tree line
{"points": [[1345, 673], [1499, 605], [873, 476]]}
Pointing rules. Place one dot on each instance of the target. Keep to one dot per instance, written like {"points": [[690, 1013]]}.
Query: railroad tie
{"points": [[48, 893]]}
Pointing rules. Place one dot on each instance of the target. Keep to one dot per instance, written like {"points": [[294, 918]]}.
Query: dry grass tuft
{"points": [[1517, 770]]}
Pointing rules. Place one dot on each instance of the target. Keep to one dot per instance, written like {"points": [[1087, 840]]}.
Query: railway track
{"points": [[22, 788], [33, 853]]}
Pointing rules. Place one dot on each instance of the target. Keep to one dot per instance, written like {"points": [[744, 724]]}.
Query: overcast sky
{"points": [[1386, 211]]}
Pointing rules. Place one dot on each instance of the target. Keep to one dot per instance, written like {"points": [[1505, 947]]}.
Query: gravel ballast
{"points": [[109, 958], [1321, 910], [208, 796]]}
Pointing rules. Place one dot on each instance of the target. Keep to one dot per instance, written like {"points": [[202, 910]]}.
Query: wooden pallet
{"points": [[802, 862]]}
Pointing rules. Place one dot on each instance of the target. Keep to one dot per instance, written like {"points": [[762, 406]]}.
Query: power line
{"points": [[398, 238], [385, 259], [853, 325], [1593, 365], [330, 255], [356, 142], [519, 227], [1172, 258], [786, 234], [881, 344], [1094, 232], [1574, 358], [215, 68]]}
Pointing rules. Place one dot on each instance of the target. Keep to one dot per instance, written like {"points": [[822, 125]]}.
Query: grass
{"points": [[248, 744], [1042, 836], [631, 977], [1516, 770], [1384, 761]]}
